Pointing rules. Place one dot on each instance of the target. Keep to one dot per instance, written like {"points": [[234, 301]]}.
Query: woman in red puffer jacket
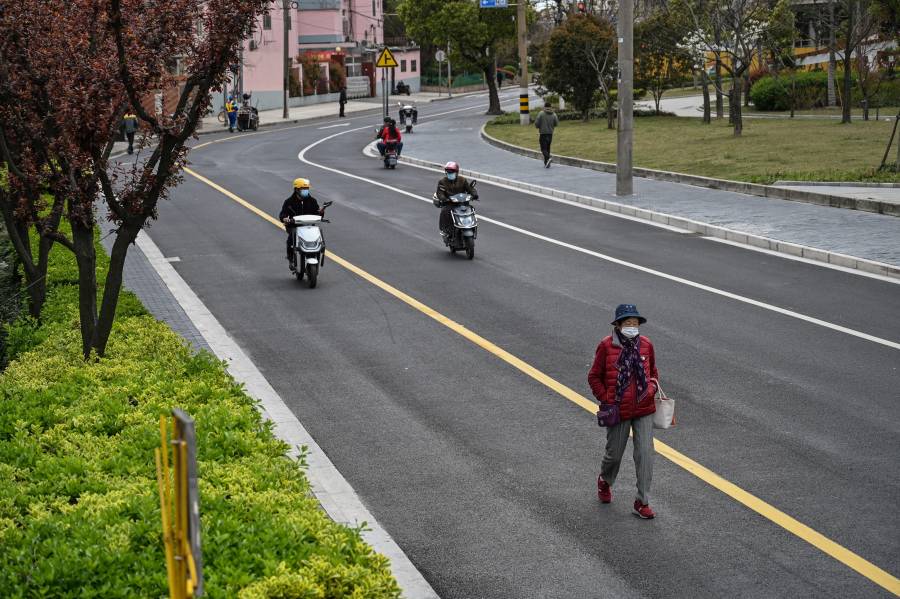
{"points": [[624, 372]]}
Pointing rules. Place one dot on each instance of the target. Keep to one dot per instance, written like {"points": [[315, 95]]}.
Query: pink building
{"points": [[346, 32]]}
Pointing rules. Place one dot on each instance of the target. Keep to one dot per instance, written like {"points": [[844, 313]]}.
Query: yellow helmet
{"points": [[301, 183]]}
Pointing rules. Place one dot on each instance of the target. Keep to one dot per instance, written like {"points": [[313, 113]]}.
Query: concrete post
{"points": [[286, 8], [624, 134], [524, 113]]}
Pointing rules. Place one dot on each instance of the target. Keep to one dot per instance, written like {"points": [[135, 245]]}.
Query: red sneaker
{"points": [[603, 490], [642, 510]]}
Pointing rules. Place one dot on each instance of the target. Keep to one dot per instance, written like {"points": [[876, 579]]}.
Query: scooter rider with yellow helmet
{"points": [[300, 202]]}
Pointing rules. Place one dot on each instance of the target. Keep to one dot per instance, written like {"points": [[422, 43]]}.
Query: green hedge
{"points": [[79, 508], [774, 93]]}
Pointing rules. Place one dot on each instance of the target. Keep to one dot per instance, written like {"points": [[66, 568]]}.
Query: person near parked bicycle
{"points": [[231, 108]]}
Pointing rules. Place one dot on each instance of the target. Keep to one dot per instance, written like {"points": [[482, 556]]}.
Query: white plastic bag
{"points": [[664, 417]]}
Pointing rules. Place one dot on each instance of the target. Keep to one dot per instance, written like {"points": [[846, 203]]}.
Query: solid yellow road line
{"points": [[771, 513]]}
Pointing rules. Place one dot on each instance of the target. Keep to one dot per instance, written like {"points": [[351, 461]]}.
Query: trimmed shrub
{"points": [[774, 93], [79, 507]]}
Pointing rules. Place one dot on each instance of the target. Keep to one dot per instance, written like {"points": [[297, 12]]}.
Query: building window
{"points": [[402, 66], [267, 21], [374, 11], [413, 66]]}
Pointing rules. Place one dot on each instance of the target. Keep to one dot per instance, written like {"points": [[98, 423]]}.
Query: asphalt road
{"points": [[486, 477]]}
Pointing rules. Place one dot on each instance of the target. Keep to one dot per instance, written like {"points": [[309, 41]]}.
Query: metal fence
{"points": [[358, 87]]}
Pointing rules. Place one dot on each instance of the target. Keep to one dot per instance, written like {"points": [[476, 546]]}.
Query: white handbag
{"points": [[664, 417]]}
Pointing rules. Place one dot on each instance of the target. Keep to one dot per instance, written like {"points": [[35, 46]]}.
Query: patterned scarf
{"points": [[629, 364]]}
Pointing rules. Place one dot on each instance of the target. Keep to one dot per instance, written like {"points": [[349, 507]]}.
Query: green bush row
{"points": [[810, 90], [79, 507]]}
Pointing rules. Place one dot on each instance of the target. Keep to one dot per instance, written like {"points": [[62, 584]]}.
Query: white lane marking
{"points": [[721, 292], [810, 261], [332, 490], [173, 259], [744, 246], [333, 126], [372, 153]]}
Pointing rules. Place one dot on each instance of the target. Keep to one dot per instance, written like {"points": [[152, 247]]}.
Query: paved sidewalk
{"points": [[852, 232], [881, 193], [141, 278], [326, 109], [297, 113]]}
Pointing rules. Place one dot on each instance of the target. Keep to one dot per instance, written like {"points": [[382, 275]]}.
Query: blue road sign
{"points": [[494, 3]]}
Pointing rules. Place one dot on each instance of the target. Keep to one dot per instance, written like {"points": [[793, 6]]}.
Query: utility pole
{"points": [[625, 132], [285, 5], [524, 113]]}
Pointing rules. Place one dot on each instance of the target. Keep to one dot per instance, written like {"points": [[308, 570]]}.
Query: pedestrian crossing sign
{"points": [[386, 60]]}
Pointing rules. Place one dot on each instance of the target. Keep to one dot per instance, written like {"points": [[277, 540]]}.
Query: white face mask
{"points": [[630, 332]]}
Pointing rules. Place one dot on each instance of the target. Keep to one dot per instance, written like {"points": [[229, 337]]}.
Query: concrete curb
{"points": [[766, 191], [701, 228], [839, 184], [334, 493]]}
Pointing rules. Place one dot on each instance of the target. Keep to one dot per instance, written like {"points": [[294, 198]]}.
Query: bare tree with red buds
{"points": [[77, 67]]}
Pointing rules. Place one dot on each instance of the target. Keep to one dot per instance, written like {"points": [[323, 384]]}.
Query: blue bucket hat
{"points": [[624, 311]]}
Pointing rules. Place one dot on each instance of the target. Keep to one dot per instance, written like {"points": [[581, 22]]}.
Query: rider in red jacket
{"points": [[389, 134]]}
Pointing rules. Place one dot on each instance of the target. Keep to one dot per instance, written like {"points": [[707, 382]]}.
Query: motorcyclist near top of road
{"points": [[452, 184], [387, 134], [300, 202]]}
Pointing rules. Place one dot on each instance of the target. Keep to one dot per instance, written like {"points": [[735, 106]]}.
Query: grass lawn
{"points": [[769, 150]]}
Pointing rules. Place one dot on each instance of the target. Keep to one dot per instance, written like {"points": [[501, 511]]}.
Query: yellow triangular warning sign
{"points": [[386, 60]]}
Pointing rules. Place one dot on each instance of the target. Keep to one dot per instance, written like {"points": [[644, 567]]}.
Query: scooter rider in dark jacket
{"points": [[300, 202], [452, 184]]}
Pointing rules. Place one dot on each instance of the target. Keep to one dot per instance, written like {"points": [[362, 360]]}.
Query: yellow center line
{"points": [[771, 513]]}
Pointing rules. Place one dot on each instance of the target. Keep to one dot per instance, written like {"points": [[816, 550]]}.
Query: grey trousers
{"points": [[616, 439]]}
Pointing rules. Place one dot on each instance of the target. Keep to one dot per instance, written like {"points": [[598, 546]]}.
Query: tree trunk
{"points": [[35, 273], [610, 112], [746, 82], [706, 107], [897, 164], [86, 258], [491, 76], [793, 93], [832, 59], [734, 108], [124, 238], [656, 100], [848, 51], [720, 108]]}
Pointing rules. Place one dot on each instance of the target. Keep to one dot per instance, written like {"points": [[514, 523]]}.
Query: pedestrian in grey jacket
{"points": [[546, 122]]}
